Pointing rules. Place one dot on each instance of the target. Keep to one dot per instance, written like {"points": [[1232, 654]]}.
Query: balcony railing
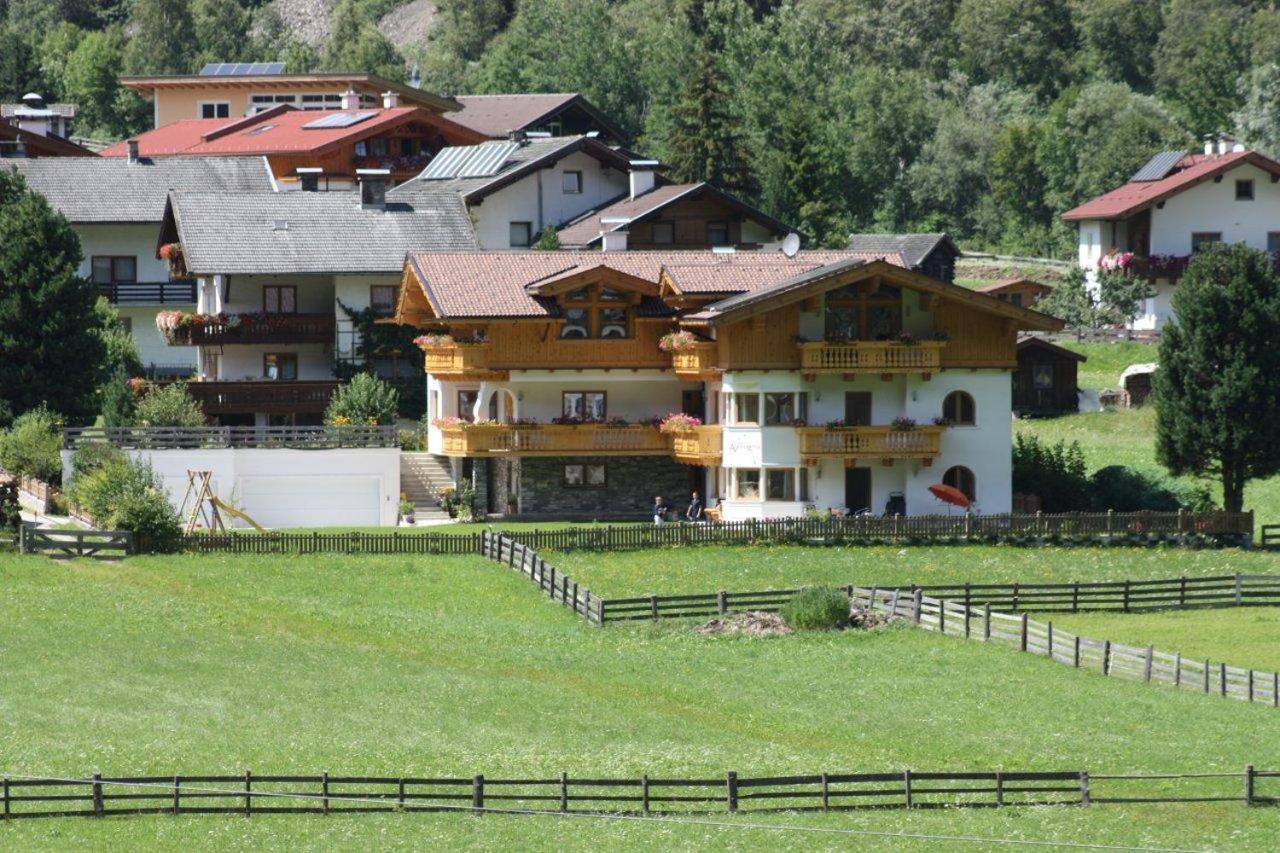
{"points": [[255, 329], [554, 440], [269, 397], [871, 357], [148, 292], [700, 446], [696, 363], [870, 442], [460, 361], [162, 438]]}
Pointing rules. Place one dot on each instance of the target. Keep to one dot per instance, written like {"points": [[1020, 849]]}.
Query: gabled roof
{"points": [[1135, 196], [279, 130], [1032, 342], [713, 275], [1009, 283], [532, 155], [297, 232], [913, 248], [367, 83], [844, 272], [585, 230], [40, 145], [496, 116], [111, 189]]}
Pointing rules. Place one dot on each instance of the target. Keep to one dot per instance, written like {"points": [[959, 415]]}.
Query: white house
{"points": [[1171, 207]]}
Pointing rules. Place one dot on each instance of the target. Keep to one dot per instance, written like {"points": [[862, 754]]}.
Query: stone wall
{"points": [[631, 484]]}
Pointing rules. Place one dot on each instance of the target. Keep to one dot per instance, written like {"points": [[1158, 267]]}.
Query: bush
{"points": [[169, 406], [1055, 473], [120, 493], [10, 511], [366, 399], [90, 457], [119, 403], [818, 608], [31, 447], [1124, 489]]}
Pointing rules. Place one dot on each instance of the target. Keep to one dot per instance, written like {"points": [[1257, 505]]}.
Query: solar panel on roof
{"points": [[469, 161], [1158, 166], [337, 120], [241, 69]]}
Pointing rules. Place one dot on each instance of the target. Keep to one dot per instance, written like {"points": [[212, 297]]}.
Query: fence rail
{"points": [[1104, 656], [167, 438], [248, 793], [75, 543], [558, 585]]}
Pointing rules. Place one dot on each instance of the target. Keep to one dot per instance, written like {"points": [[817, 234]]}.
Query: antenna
{"points": [[791, 245]]}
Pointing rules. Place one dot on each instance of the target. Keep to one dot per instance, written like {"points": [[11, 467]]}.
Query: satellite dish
{"points": [[791, 245]]}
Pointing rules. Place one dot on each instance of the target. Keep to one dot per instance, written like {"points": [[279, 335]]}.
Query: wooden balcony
{"points": [[697, 363], [273, 398], [870, 442], [257, 329], [554, 440], [871, 357], [700, 446], [461, 361], [149, 292]]}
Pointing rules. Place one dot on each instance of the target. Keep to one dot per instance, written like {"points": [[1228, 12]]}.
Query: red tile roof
{"points": [[1124, 201], [275, 131], [498, 284]]}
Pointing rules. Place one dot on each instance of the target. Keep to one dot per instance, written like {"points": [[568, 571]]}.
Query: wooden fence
{"points": [[1104, 656], [55, 542], [247, 793], [1067, 528], [1126, 596], [558, 585]]}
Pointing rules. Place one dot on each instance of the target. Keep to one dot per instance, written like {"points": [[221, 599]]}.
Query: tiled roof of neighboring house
{"points": [[532, 155], [38, 145], [1033, 342], [504, 284], [585, 231], [913, 248], [1005, 283], [280, 130], [498, 115], [295, 232], [367, 83], [111, 189], [1124, 201]]}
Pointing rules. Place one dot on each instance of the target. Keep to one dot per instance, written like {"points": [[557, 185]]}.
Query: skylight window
{"points": [[258, 131]]}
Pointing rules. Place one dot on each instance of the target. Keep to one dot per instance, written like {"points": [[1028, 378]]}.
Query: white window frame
{"points": [[564, 178]]}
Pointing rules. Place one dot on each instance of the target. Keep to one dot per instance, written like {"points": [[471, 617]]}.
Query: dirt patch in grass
{"points": [[752, 624]]}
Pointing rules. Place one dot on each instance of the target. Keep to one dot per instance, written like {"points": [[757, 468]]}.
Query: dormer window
{"points": [[1244, 190], [596, 312]]}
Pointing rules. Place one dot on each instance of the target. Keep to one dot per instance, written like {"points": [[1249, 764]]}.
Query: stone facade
{"points": [[631, 483]]}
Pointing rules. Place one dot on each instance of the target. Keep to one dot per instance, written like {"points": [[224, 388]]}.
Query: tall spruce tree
{"points": [[1218, 386], [51, 349]]}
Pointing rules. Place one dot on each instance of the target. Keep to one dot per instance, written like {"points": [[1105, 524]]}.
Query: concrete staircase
{"points": [[422, 478]]}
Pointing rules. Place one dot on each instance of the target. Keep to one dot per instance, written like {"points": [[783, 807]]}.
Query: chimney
{"points": [[390, 100], [518, 136], [350, 100], [1208, 145], [132, 146], [309, 178], [373, 188], [642, 176]]}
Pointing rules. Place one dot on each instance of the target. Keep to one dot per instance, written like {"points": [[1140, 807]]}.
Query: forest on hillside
{"points": [[983, 118]]}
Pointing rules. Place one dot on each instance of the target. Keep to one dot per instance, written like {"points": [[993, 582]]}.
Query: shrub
{"points": [[123, 494], [10, 511], [90, 457], [1056, 473], [817, 608], [1124, 489], [169, 406], [119, 403], [31, 446], [365, 399]]}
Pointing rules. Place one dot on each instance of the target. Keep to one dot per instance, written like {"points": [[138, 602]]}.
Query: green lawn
{"points": [[1106, 361], [402, 665], [1248, 636], [757, 567]]}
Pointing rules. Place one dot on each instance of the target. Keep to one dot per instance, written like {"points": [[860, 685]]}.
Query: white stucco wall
{"points": [[539, 198], [353, 291], [1212, 206], [288, 488]]}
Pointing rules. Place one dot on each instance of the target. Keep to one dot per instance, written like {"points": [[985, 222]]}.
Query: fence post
{"points": [[477, 793], [653, 607], [1106, 657], [826, 793], [1110, 522], [1182, 591], [915, 605], [1049, 628], [986, 622], [1022, 639], [644, 794], [324, 791], [564, 791], [1126, 595], [1075, 653], [1206, 675], [1248, 784], [97, 795], [1239, 590], [1146, 664], [906, 784], [1275, 690], [1177, 669], [968, 606], [722, 602], [942, 616], [731, 790], [1075, 596], [400, 795], [999, 788], [177, 803], [1250, 685], [248, 797], [4, 791], [1084, 788], [1222, 679]]}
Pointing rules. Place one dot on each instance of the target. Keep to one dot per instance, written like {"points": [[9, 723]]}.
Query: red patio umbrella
{"points": [[950, 494]]}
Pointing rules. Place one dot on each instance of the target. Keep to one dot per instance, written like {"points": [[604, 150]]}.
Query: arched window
{"points": [[960, 477], [958, 408]]}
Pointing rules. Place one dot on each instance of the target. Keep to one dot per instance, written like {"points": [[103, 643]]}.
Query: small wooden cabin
{"points": [[1045, 381], [1023, 292]]}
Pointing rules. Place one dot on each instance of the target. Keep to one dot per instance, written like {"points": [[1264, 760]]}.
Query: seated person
{"points": [[660, 510]]}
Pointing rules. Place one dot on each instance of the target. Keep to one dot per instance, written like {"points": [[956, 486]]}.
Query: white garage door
{"points": [[350, 501]]}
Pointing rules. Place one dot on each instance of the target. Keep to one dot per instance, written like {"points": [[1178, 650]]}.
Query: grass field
{"points": [[756, 567], [1247, 637], [403, 665]]}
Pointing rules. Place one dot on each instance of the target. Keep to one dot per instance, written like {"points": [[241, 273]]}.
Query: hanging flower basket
{"points": [[678, 422], [681, 341]]}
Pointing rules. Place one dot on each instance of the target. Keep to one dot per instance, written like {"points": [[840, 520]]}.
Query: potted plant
{"points": [[838, 423], [902, 423], [406, 508], [681, 341], [677, 422], [906, 339], [433, 340]]}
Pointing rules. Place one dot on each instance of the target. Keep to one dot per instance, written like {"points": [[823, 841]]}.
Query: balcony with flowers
{"points": [[692, 358], [450, 358], [902, 438], [560, 437], [692, 441], [182, 328]]}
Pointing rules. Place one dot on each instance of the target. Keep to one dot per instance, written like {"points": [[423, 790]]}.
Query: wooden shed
{"points": [[1045, 382], [1023, 292]]}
